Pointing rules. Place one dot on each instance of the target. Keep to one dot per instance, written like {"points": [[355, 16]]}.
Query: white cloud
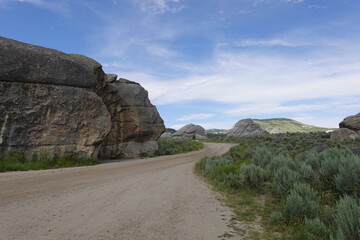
{"points": [[158, 6], [199, 116], [272, 42]]}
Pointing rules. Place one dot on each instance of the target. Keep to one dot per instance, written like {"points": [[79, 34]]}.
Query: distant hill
{"points": [[217, 131], [287, 125]]}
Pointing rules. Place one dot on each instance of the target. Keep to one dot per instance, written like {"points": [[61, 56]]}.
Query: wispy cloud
{"points": [[61, 7], [159, 6], [199, 116], [271, 42]]}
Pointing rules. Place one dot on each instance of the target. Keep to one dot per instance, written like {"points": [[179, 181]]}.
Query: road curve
{"points": [[156, 198]]}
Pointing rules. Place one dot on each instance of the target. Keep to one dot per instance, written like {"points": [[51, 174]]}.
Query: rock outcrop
{"points": [[65, 103], [246, 127], [166, 135], [343, 134], [136, 124], [349, 129], [351, 122], [190, 131]]}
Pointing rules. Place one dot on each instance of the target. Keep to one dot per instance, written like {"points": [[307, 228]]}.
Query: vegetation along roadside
{"points": [[16, 161], [294, 185]]}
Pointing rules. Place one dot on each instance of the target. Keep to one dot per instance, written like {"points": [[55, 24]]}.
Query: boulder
{"points": [[134, 118], [61, 119], [166, 135], [26, 63], [343, 134], [191, 131], [246, 127], [65, 103], [351, 122]]}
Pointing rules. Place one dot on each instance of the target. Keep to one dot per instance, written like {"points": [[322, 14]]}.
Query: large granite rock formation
{"points": [[136, 124], [191, 131], [349, 129], [246, 127], [351, 122], [65, 103]]}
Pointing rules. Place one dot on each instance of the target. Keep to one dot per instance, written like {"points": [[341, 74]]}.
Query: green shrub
{"points": [[312, 158], [347, 219], [279, 161], [43, 160], [276, 218], [170, 146], [332, 161], [252, 175], [226, 176], [347, 180], [314, 229], [302, 203], [212, 162], [308, 174], [261, 156], [284, 180]]}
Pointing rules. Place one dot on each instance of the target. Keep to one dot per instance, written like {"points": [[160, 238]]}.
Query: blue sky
{"points": [[212, 62]]}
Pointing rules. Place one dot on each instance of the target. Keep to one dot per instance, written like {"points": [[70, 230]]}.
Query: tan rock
{"points": [[343, 134], [58, 119]]}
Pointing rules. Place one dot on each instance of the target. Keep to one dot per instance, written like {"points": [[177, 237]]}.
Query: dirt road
{"points": [[157, 198]]}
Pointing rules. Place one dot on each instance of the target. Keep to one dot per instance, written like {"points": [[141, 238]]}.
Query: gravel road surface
{"points": [[155, 198]]}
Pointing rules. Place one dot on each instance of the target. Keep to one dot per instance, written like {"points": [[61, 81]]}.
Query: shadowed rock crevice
{"points": [[65, 103]]}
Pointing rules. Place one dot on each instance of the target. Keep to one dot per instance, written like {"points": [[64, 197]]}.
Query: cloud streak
{"points": [[199, 116], [154, 7]]}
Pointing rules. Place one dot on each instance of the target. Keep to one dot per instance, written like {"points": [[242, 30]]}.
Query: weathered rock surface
{"points": [[166, 135], [134, 119], [351, 122], [343, 134], [246, 127], [50, 117], [349, 129], [26, 63], [191, 131], [65, 103]]}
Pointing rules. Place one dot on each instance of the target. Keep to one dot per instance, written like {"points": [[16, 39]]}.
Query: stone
{"points": [[65, 103], [111, 78], [40, 116], [191, 131], [26, 63], [351, 122], [134, 118], [344, 134], [246, 127], [166, 135]]}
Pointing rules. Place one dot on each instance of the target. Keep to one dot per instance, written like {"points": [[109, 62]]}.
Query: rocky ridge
{"points": [[65, 103]]}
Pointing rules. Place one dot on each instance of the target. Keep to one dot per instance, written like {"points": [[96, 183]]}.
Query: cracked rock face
{"points": [[65, 103], [134, 120], [38, 116]]}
